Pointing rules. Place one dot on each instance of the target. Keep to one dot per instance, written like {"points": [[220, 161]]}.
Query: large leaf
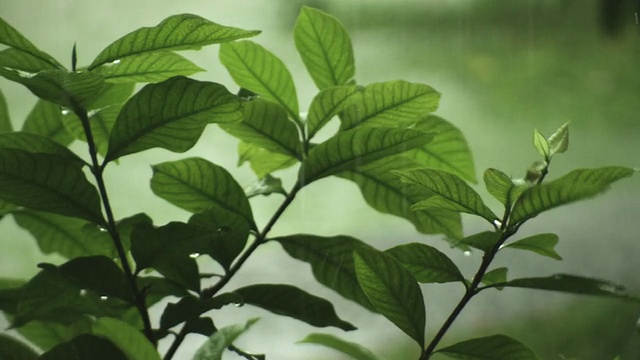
{"points": [[351, 149], [195, 184], [576, 185], [542, 244], [190, 308], [5, 121], [45, 119], [33, 143], [328, 103], [325, 48], [213, 348], [11, 37], [49, 183], [177, 32], [263, 161], [12, 348], [290, 301], [426, 263], [501, 187], [331, 260], [354, 350], [171, 115], [391, 104], [392, 290], [257, 69], [15, 59], [147, 67], [129, 339], [85, 346], [495, 347]]}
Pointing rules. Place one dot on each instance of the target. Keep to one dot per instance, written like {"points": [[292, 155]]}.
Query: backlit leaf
{"points": [[11, 37], [542, 244], [426, 263], [541, 144], [15, 59], [45, 119], [495, 276], [129, 339], [147, 67], [5, 121], [85, 346], [213, 348], [495, 347], [354, 350], [33, 143], [328, 103], [262, 161], [559, 140]]}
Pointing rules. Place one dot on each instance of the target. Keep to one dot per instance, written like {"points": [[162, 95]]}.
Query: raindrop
{"points": [[467, 253], [104, 297], [66, 111], [83, 292], [116, 62], [102, 229], [497, 223], [194, 255], [238, 304]]}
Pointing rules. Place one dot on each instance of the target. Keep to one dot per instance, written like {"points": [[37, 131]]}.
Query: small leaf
{"points": [[98, 274], [266, 186], [426, 263], [46, 120], [171, 115], [190, 308], [325, 48], [262, 161], [484, 240], [5, 121], [290, 301], [48, 183], [354, 350], [576, 185], [85, 346], [495, 347], [33, 143], [12, 348], [213, 348], [328, 103], [392, 290], [147, 67], [542, 244], [541, 144], [129, 339], [351, 149], [495, 276], [502, 187], [559, 140], [177, 32], [11, 37]]}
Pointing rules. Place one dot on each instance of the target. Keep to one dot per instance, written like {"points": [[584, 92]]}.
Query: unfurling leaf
{"points": [[495, 347], [559, 140], [541, 144]]}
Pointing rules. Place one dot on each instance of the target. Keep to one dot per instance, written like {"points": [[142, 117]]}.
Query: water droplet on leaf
{"points": [[194, 255], [104, 297], [467, 253]]}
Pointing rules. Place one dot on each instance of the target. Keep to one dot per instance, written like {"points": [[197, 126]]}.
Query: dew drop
{"points": [[467, 253], [194, 255], [66, 111], [104, 297], [83, 292], [238, 304], [115, 62], [102, 229], [497, 223]]}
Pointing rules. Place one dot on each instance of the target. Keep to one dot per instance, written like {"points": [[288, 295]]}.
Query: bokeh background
{"points": [[503, 67]]}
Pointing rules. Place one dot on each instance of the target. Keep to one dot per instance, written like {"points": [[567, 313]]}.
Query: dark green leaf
{"points": [[266, 186], [99, 274], [11, 348], [5, 121], [290, 301], [325, 48], [213, 348], [352, 149], [11, 37], [257, 69], [46, 120], [331, 260], [392, 290], [328, 103], [171, 115], [158, 288], [576, 185], [177, 32], [262, 161], [10, 294], [130, 340], [354, 350], [559, 140], [85, 346], [426, 263], [190, 308], [495, 347], [147, 67], [33, 143], [49, 183], [203, 326], [100, 122], [542, 244], [495, 276], [391, 104], [484, 241], [46, 335]]}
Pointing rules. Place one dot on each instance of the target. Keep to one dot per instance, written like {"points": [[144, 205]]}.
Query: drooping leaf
{"points": [[262, 161], [331, 261], [540, 144], [257, 69], [426, 263], [85, 346], [147, 67], [11, 37], [100, 122], [502, 187], [484, 240], [48, 183], [12, 348], [391, 104], [127, 338], [195, 185], [328, 103], [46, 335], [189, 308], [177, 32], [559, 140], [266, 186], [325, 48], [576, 185], [354, 350], [171, 115], [213, 348], [99, 274], [542, 244], [495, 276], [33, 143], [495, 347], [351, 149], [46, 120], [392, 290], [5, 121], [291, 301]]}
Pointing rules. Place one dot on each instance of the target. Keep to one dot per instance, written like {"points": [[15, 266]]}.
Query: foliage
{"points": [[406, 161]]}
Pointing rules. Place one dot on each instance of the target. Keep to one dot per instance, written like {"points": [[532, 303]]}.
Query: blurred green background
{"points": [[503, 67]]}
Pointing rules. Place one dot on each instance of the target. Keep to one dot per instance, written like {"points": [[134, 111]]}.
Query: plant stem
{"points": [[176, 343], [97, 170]]}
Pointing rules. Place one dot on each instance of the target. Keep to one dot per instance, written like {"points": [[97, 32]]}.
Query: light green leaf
{"points": [[177, 32], [495, 276], [15, 59], [12, 348], [11, 37], [46, 335], [328, 103], [196, 185], [172, 115], [392, 290], [101, 123], [542, 244], [457, 195], [426, 263], [325, 48], [354, 350], [48, 183], [559, 140], [129, 339], [266, 186], [85, 346], [391, 104], [576, 185], [213, 348], [262, 161], [351, 149], [484, 240], [147, 67], [5, 121], [116, 94], [45, 119], [495, 347], [257, 69], [541, 144], [502, 187], [34, 144]]}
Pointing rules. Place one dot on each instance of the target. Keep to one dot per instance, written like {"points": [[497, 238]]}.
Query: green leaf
{"points": [[85, 346], [46, 120], [213, 348], [426, 263], [287, 300], [11, 37], [195, 185], [542, 244], [100, 122], [116, 94], [98, 274], [33, 143], [48, 183], [266, 125], [559, 140], [159, 288], [5, 121], [262, 161], [147, 67], [452, 192], [177, 32], [484, 240], [495, 347], [12, 348], [171, 115], [354, 350], [255, 68], [130, 340], [19, 60], [351, 149], [391, 104], [502, 187], [266, 186], [190, 308], [541, 144], [325, 48], [331, 260], [495, 276], [576, 185], [392, 290], [328, 103], [46, 335]]}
